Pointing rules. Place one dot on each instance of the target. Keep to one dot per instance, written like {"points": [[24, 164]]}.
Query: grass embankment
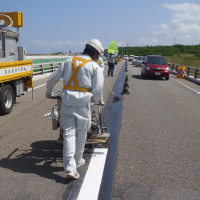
{"points": [[184, 59]]}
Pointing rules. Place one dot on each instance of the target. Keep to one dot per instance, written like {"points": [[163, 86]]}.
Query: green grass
{"points": [[184, 59]]}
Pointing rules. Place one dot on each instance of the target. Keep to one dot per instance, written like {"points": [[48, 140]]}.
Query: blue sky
{"points": [[63, 25]]}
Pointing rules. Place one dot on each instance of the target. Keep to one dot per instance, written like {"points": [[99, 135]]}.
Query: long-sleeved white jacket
{"points": [[89, 76], [100, 63]]}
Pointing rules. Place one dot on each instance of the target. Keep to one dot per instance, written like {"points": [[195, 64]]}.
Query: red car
{"points": [[155, 66]]}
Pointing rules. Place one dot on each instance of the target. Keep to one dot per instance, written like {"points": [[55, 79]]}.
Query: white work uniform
{"points": [[75, 109], [101, 64]]}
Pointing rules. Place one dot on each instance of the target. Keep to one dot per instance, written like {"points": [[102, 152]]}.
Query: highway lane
{"points": [[158, 153], [30, 160], [159, 142]]}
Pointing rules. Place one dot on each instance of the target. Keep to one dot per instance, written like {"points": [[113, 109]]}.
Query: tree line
{"points": [[176, 49]]}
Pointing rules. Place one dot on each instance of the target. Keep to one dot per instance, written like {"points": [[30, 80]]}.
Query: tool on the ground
{"points": [[115, 98]]}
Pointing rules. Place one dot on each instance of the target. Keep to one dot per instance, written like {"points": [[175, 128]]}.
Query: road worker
{"points": [[83, 81], [111, 63], [100, 62]]}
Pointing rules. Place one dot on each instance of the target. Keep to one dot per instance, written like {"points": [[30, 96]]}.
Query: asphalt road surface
{"points": [[30, 160], [159, 142], [158, 146]]}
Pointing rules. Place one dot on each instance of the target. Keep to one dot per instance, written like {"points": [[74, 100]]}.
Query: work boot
{"points": [[71, 175], [82, 163]]}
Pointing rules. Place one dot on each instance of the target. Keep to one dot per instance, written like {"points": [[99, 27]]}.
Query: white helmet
{"points": [[96, 44]]}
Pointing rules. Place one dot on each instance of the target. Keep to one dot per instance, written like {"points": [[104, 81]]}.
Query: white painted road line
{"points": [[186, 86], [92, 181], [39, 86]]}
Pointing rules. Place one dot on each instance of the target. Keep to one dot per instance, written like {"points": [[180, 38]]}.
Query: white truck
{"points": [[16, 73]]}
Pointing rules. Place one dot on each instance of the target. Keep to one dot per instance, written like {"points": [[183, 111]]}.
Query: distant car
{"points": [[126, 57], [130, 58], [138, 62], [155, 66], [134, 59]]}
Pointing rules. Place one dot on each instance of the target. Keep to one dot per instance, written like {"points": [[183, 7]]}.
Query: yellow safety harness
{"points": [[74, 76], [98, 61]]}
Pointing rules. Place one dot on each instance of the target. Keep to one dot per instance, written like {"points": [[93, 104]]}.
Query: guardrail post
{"points": [[188, 71], [52, 67], [42, 68], [196, 75], [173, 67]]}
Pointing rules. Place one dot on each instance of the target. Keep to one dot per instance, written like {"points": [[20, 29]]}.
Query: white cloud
{"points": [[185, 23], [149, 42]]}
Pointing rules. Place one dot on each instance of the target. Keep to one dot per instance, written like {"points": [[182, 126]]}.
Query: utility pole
{"points": [[127, 49]]}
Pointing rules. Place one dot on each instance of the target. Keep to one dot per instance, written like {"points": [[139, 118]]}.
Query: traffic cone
{"points": [[126, 87]]}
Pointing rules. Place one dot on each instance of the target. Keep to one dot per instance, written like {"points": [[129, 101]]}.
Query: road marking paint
{"points": [[92, 181], [187, 86], [39, 86]]}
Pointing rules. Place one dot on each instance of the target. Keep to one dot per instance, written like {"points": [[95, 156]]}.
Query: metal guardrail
{"points": [[192, 73], [45, 67]]}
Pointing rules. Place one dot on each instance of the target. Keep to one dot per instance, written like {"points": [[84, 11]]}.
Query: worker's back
{"points": [[112, 58], [89, 76]]}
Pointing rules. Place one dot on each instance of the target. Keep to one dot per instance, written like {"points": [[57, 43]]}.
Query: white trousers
{"points": [[75, 122]]}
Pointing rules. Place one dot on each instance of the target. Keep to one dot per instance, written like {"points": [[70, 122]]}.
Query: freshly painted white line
{"points": [[187, 86], [39, 86], [92, 181]]}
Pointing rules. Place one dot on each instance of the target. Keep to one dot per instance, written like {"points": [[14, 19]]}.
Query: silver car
{"points": [[138, 62], [134, 59]]}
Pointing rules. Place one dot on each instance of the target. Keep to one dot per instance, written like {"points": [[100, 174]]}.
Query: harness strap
{"points": [[74, 75]]}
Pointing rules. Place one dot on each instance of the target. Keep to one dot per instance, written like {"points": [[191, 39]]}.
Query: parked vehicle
{"points": [[131, 57], [15, 71], [125, 57], [138, 62], [155, 66], [134, 59]]}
